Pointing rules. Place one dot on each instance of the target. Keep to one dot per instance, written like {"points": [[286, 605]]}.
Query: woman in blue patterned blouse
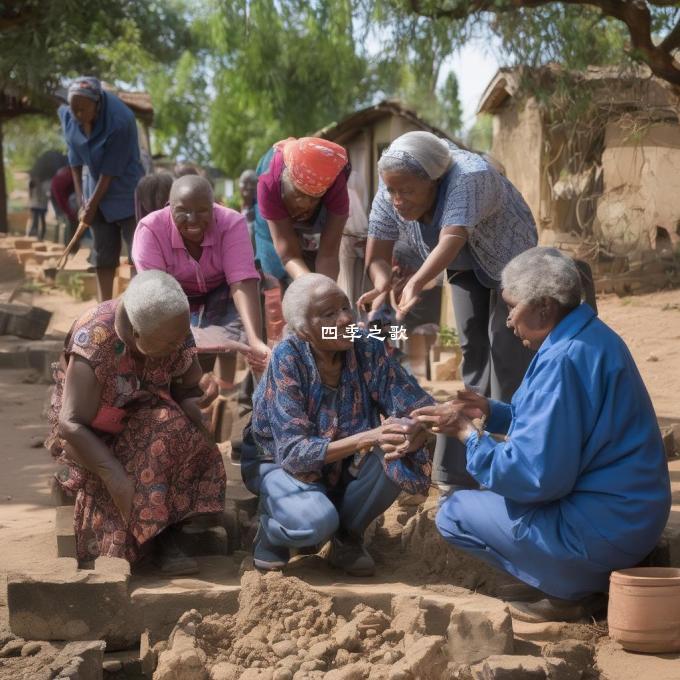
{"points": [[334, 447], [461, 215]]}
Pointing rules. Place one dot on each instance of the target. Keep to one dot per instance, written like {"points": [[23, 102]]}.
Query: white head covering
{"points": [[427, 151]]}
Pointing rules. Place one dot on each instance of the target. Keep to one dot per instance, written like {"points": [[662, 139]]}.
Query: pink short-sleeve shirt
{"points": [[227, 251], [270, 203]]}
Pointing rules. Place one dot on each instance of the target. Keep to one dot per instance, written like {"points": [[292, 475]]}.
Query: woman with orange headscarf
{"points": [[302, 194]]}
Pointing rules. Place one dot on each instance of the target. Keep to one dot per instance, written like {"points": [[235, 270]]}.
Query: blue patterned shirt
{"points": [[293, 423], [471, 194]]}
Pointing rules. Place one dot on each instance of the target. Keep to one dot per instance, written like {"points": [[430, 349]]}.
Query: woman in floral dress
{"points": [[126, 420]]}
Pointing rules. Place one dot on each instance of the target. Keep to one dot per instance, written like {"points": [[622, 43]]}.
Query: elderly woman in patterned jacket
{"points": [[333, 446]]}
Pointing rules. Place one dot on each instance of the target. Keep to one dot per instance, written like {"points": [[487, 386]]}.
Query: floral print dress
{"points": [[176, 469]]}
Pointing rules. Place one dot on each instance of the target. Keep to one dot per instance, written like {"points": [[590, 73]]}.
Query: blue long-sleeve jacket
{"points": [[581, 433]]}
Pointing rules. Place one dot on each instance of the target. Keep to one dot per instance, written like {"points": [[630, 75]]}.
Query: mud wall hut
{"points": [[596, 154]]}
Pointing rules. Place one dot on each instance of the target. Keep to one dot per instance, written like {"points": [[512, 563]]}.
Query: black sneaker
{"points": [[351, 556]]}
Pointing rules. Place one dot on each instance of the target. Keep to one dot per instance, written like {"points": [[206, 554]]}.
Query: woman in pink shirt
{"points": [[302, 193], [206, 247]]}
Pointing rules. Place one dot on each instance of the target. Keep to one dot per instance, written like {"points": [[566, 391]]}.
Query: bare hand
{"points": [[399, 436], [192, 409], [210, 390], [446, 418], [122, 490], [414, 443], [472, 404], [258, 357], [364, 303], [409, 298], [86, 214]]}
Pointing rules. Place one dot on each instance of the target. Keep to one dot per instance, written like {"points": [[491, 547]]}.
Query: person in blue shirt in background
{"points": [[579, 486], [101, 134]]}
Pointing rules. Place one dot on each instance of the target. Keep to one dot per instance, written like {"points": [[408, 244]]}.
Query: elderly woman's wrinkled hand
{"points": [[193, 411], [400, 436], [447, 419], [409, 298], [472, 404], [122, 490], [364, 303], [210, 390]]}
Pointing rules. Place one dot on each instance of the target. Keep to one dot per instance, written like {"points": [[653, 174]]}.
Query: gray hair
{"points": [[543, 273], [417, 153], [152, 298], [300, 295]]}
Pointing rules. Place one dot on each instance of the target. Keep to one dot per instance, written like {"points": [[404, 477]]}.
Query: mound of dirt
{"points": [[284, 630]]}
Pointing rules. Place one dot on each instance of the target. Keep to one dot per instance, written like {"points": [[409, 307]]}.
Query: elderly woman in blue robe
{"points": [[579, 485], [334, 445]]}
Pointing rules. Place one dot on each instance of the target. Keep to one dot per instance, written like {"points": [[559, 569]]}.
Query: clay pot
{"points": [[644, 609]]}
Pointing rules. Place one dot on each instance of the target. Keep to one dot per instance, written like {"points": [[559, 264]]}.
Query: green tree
{"points": [[26, 137], [480, 135], [44, 43], [413, 57], [180, 108], [584, 31], [280, 69], [451, 116]]}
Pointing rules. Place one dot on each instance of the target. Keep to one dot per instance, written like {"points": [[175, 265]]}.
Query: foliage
{"points": [[585, 31], [44, 42], [280, 69], [448, 337], [414, 53], [480, 135], [227, 78], [26, 137], [180, 121]]}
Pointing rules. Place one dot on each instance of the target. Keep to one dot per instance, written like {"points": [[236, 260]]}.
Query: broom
{"points": [[82, 228]]}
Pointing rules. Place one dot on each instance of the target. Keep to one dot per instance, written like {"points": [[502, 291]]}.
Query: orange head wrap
{"points": [[312, 163]]}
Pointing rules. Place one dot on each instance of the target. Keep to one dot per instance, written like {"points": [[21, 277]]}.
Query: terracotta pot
{"points": [[644, 609]]}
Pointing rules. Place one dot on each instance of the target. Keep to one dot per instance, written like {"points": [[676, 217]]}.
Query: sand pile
{"points": [[285, 630]]}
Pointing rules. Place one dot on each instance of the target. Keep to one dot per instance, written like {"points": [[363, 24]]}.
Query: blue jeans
{"points": [[297, 514]]}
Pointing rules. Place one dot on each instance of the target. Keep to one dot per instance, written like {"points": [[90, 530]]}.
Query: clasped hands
{"points": [[400, 436], [454, 418]]}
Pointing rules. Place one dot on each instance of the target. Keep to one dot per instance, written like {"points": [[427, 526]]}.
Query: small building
{"points": [[596, 156], [367, 133]]}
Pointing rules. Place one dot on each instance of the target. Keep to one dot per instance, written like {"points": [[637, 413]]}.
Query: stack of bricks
{"points": [[23, 321], [33, 255]]}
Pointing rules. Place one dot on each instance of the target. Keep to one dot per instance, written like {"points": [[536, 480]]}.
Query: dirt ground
{"points": [[650, 324]]}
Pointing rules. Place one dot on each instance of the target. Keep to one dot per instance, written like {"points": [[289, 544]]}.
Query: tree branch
{"points": [[634, 13], [10, 20], [672, 40]]}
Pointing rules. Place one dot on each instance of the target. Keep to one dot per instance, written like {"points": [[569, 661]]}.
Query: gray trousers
{"points": [[494, 363]]}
